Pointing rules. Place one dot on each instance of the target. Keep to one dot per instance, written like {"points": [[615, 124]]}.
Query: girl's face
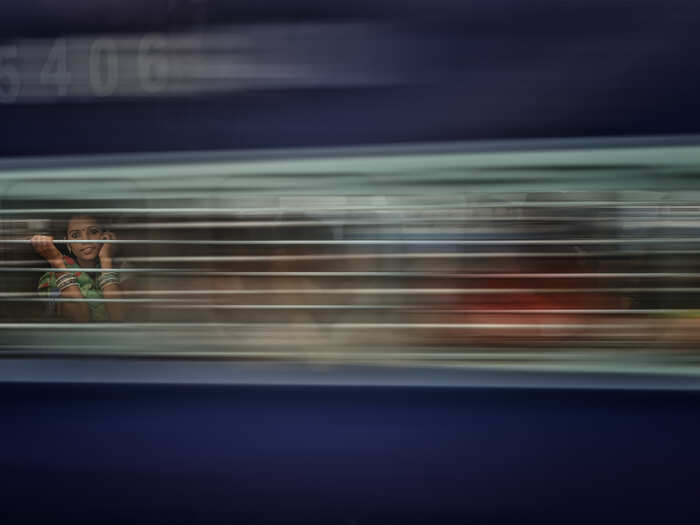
{"points": [[84, 228]]}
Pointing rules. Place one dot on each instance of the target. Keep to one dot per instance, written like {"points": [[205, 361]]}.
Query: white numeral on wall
{"points": [[55, 70], [103, 67], [152, 64], [9, 75]]}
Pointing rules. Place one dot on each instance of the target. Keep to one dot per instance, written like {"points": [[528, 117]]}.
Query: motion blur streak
{"points": [[442, 253]]}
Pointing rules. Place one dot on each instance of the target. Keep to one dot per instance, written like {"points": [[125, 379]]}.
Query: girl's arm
{"points": [[75, 311], [110, 283]]}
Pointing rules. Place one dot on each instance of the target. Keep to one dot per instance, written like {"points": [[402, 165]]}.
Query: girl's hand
{"points": [[44, 246], [108, 250]]}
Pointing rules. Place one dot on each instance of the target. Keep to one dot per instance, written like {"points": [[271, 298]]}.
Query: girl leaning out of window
{"points": [[86, 283]]}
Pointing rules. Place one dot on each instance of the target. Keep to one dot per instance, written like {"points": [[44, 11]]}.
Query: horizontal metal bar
{"points": [[89, 270], [120, 327], [456, 291], [403, 220], [647, 221], [169, 272], [174, 272], [175, 303], [305, 206], [369, 256], [379, 242], [436, 310], [438, 275]]}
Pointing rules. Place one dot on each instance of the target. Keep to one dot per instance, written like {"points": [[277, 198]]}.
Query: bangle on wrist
{"points": [[108, 278], [66, 280]]}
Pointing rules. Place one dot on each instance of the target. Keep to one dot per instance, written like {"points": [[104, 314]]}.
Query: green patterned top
{"points": [[88, 287]]}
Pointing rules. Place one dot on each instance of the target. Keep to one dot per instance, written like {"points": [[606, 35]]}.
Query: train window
{"points": [[391, 255]]}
